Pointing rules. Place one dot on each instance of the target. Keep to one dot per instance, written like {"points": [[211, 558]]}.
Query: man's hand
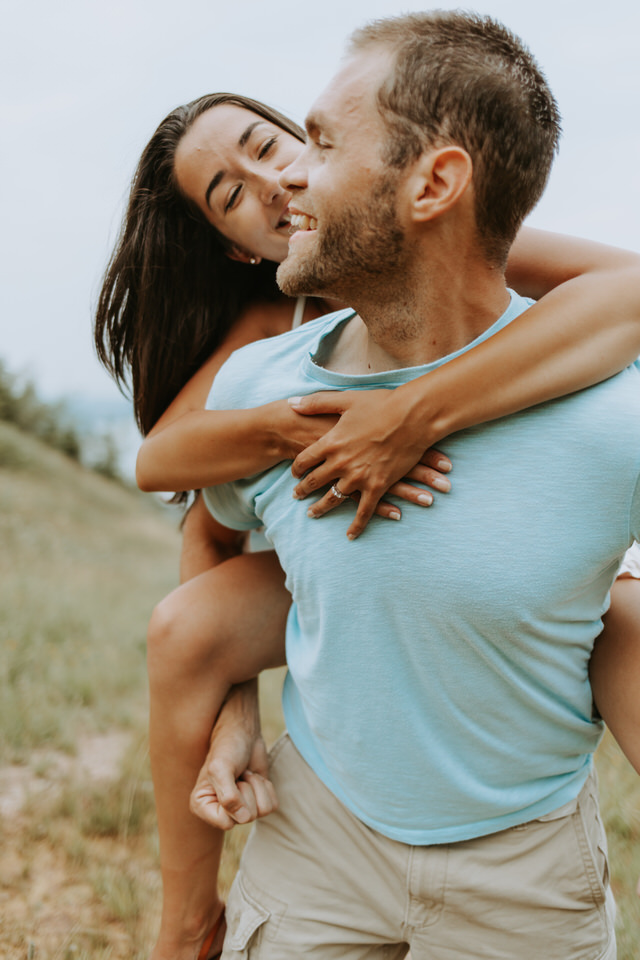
{"points": [[233, 785]]}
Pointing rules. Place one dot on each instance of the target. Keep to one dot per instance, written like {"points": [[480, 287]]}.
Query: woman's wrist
{"points": [[427, 419], [274, 424]]}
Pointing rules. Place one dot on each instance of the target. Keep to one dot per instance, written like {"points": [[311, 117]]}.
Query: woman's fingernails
{"points": [[394, 515], [443, 465], [425, 499], [294, 401], [440, 483]]}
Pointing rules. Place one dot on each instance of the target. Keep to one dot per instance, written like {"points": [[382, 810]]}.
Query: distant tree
{"points": [[20, 405], [107, 463]]}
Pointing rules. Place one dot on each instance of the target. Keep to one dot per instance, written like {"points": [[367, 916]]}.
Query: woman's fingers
{"points": [[324, 401], [407, 491], [367, 506], [369, 503], [318, 478], [428, 476], [329, 501], [313, 456], [436, 459], [431, 470]]}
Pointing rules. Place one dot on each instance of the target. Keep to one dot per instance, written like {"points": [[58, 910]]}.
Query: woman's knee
{"points": [[176, 643]]}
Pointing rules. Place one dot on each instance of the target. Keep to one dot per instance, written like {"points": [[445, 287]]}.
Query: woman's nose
{"points": [[269, 187]]}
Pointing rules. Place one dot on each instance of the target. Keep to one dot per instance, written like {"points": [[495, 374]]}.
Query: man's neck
{"points": [[419, 322]]}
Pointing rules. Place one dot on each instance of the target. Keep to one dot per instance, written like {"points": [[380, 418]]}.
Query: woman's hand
{"points": [[425, 472], [372, 450]]}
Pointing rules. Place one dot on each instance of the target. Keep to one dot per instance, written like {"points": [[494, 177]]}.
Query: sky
{"points": [[84, 83]]}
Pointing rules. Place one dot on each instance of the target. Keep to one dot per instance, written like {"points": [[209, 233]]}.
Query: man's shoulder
{"points": [[251, 372]]}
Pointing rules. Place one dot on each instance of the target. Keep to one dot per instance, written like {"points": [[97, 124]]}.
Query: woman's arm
{"points": [[585, 329], [205, 447], [190, 447]]}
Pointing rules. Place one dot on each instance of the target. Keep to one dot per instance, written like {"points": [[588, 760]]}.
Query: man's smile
{"points": [[301, 221]]}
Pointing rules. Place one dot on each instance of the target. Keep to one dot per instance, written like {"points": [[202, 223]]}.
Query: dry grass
{"points": [[83, 563], [620, 800]]}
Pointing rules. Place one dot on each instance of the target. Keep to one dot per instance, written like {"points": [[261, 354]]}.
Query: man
{"points": [[436, 791]]}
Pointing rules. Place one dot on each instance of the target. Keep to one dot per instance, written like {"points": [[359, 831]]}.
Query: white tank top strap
{"points": [[298, 312]]}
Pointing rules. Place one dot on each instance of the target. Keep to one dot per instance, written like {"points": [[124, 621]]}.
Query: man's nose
{"points": [[294, 176]]}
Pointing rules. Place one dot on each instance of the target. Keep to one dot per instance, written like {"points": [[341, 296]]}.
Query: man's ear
{"points": [[242, 256], [441, 178]]}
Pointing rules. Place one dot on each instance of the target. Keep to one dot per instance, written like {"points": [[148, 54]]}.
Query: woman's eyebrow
{"points": [[247, 133], [242, 142], [214, 183]]}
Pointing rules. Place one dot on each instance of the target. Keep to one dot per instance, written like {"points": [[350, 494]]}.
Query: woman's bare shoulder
{"points": [[262, 320]]}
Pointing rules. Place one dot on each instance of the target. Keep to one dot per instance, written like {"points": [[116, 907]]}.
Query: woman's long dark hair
{"points": [[170, 293]]}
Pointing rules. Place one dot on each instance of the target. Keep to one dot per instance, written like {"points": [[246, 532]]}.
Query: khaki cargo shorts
{"points": [[316, 882]]}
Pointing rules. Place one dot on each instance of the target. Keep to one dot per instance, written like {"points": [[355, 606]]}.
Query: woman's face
{"points": [[229, 164]]}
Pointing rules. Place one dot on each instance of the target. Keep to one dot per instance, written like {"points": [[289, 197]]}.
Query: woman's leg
{"points": [[615, 668], [217, 629]]}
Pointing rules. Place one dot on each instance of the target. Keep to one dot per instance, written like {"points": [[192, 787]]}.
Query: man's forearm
{"points": [[240, 712]]}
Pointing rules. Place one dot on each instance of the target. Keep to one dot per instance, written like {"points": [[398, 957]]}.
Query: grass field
{"points": [[83, 562]]}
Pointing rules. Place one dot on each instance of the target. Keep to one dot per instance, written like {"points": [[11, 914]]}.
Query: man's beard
{"points": [[354, 250]]}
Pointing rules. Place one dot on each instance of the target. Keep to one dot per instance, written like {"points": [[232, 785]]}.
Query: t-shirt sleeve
{"points": [[232, 505]]}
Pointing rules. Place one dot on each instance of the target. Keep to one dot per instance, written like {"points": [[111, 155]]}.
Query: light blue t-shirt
{"points": [[437, 676]]}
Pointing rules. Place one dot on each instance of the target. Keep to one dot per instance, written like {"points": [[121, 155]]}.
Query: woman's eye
{"points": [[266, 147], [233, 197]]}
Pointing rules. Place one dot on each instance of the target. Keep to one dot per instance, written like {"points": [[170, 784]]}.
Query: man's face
{"points": [[343, 195]]}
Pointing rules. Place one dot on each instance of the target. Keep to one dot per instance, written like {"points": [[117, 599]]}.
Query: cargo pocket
{"points": [[250, 917], [594, 845]]}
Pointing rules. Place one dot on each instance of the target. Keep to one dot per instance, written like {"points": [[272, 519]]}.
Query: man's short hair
{"points": [[464, 79]]}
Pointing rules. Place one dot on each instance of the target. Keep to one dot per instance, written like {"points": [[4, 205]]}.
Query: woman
{"points": [[186, 281]]}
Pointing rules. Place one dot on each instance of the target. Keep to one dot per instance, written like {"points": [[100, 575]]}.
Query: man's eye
{"points": [[266, 147], [233, 197]]}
